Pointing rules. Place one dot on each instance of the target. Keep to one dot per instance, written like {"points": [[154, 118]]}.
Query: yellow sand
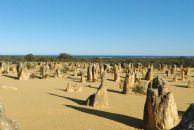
{"points": [[43, 105]]}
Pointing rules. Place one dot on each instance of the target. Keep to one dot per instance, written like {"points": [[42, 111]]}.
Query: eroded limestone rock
{"points": [[160, 110]]}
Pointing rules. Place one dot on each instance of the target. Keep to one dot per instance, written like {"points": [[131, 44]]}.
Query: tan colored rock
{"points": [[107, 67], [5, 123], [94, 73], [182, 75], [160, 110], [139, 67], [151, 66], [116, 73], [129, 83], [73, 88], [75, 71], [24, 74], [89, 73], [82, 80], [19, 68], [3, 67], [173, 70], [100, 98], [119, 67], [69, 88], [164, 67], [167, 73], [175, 79], [137, 77], [57, 73], [181, 67], [159, 67], [12, 69], [44, 70], [101, 69], [149, 74], [187, 71], [190, 84]]}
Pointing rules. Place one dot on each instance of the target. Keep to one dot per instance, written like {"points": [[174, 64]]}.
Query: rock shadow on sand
{"points": [[12, 77], [127, 120], [181, 86], [79, 102], [63, 90]]}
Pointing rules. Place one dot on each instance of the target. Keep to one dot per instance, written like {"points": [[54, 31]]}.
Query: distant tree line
{"points": [[36, 58], [64, 57]]}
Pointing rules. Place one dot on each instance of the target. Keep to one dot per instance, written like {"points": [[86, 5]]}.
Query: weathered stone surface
{"points": [[149, 74], [19, 68], [44, 70], [160, 111], [6, 124], [187, 122], [187, 71], [12, 69], [139, 67], [159, 67], [100, 98], [3, 67], [89, 73], [82, 80], [101, 69], [173, 70], [129, 83], [24, 74], [182, 75], [137, 76], [73, 88], [167, 73], [57, 73], [94, 73], [116, 73], [190, 84], [175, 79], [75, 71]]}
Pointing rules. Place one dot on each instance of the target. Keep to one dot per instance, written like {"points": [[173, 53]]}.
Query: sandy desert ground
{"points": [[44, 105]]}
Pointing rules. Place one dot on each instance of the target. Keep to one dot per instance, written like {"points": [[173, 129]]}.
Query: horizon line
{"points": [[103, 55]]}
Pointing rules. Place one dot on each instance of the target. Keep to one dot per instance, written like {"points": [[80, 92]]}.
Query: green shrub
{"points": [[65, 69], [30, 65]]}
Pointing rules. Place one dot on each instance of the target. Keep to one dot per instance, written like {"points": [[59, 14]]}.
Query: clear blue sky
{"points": [[115, 27]]}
